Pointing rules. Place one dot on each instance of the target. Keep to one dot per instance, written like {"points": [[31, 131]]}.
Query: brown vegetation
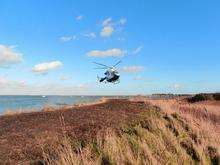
{"points": [[20, 133], [204, 97], [113, 132]]}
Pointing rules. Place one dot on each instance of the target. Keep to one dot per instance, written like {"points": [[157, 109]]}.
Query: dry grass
{"points": [[19, 133], [9, 112], [203, 117], [114, 132], [154, 138], [21, 110]]}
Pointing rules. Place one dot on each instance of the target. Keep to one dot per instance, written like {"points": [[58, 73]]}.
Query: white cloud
{"points": [[5, 82], [115, 52], [47, 66], [64, 77], [67, 38], [12, 87], [137, 50], [90, 35], [176, 86], [123, 21], [132, 69], [110, 26], [107, 21], [83, 86], [107, 31], [8, 56], [79, 17]]}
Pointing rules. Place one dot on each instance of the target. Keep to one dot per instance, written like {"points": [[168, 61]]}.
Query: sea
{"points": [[39, 102]]}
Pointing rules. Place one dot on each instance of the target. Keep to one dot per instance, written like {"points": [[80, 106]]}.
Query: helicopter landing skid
{"points": [[116, 82], [105, 81]]}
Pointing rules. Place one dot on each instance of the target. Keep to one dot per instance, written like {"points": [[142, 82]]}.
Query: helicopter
{"points": [[111, 74]]}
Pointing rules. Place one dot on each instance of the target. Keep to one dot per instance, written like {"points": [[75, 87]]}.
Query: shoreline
{"points": [[135, 98], [51, 107]]}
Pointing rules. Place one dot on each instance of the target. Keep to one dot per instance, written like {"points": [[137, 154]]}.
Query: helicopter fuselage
{"points": [[113, 79], [112, 75]]}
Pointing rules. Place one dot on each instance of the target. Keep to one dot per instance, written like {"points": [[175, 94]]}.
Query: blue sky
{"points": [[47, 46]]}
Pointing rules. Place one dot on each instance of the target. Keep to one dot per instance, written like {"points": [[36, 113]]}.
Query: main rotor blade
{"points": [[101, 64], [100, 68], [117, 63]]}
